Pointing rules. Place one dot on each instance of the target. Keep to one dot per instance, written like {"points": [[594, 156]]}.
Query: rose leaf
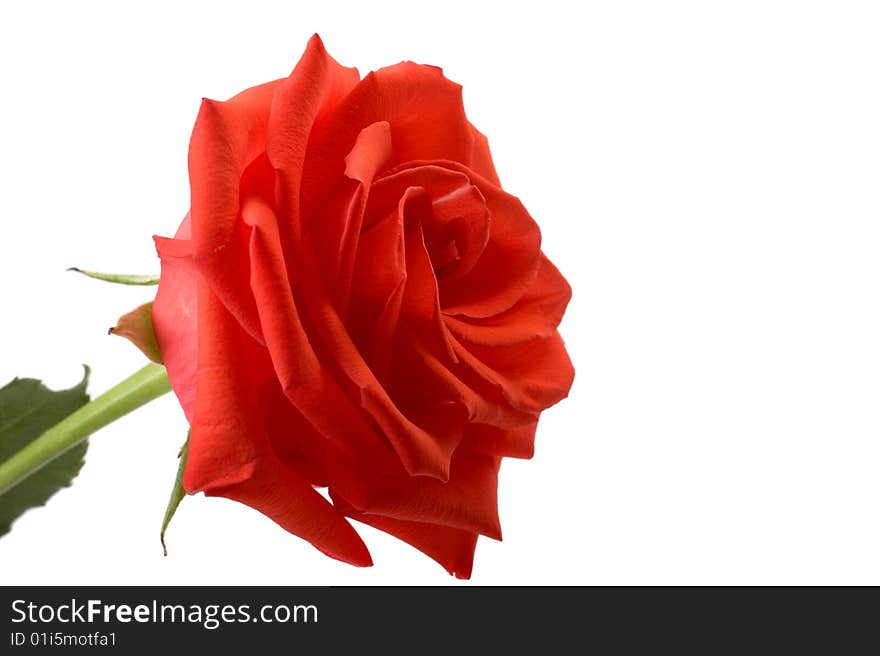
{"points": [[27, 409]]}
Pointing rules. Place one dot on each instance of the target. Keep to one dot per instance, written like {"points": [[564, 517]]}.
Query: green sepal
{"points": [[177, 493], [120, 278], [137, 327]]}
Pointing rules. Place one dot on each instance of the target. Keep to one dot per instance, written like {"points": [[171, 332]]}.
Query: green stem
{"points": [[138, 389]]}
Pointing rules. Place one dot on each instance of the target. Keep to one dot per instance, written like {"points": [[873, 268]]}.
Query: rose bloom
{"points": [[353, 303]]}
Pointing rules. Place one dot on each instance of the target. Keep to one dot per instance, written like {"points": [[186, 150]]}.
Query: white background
{"points": [[705, 174]]}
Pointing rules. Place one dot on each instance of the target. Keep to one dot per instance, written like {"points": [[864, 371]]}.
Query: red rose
{"points": [[354, 303]]}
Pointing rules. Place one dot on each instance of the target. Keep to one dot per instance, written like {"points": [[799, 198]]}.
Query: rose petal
{"points": [[338, 229], [283, 496], [408, 285], [175, 316], [508, 264], [233, 457], [516, 442], [420, 452], [467, 501], [226, 138], [423, 109], [536, 314], [377, 291], [321, 459], [316, 86], [481, 158], [451, 547], [421, 299], [459, 211], [441, 381], [305, 377], [370, 154], [463, 218], [532, 375], [232, 367]]}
